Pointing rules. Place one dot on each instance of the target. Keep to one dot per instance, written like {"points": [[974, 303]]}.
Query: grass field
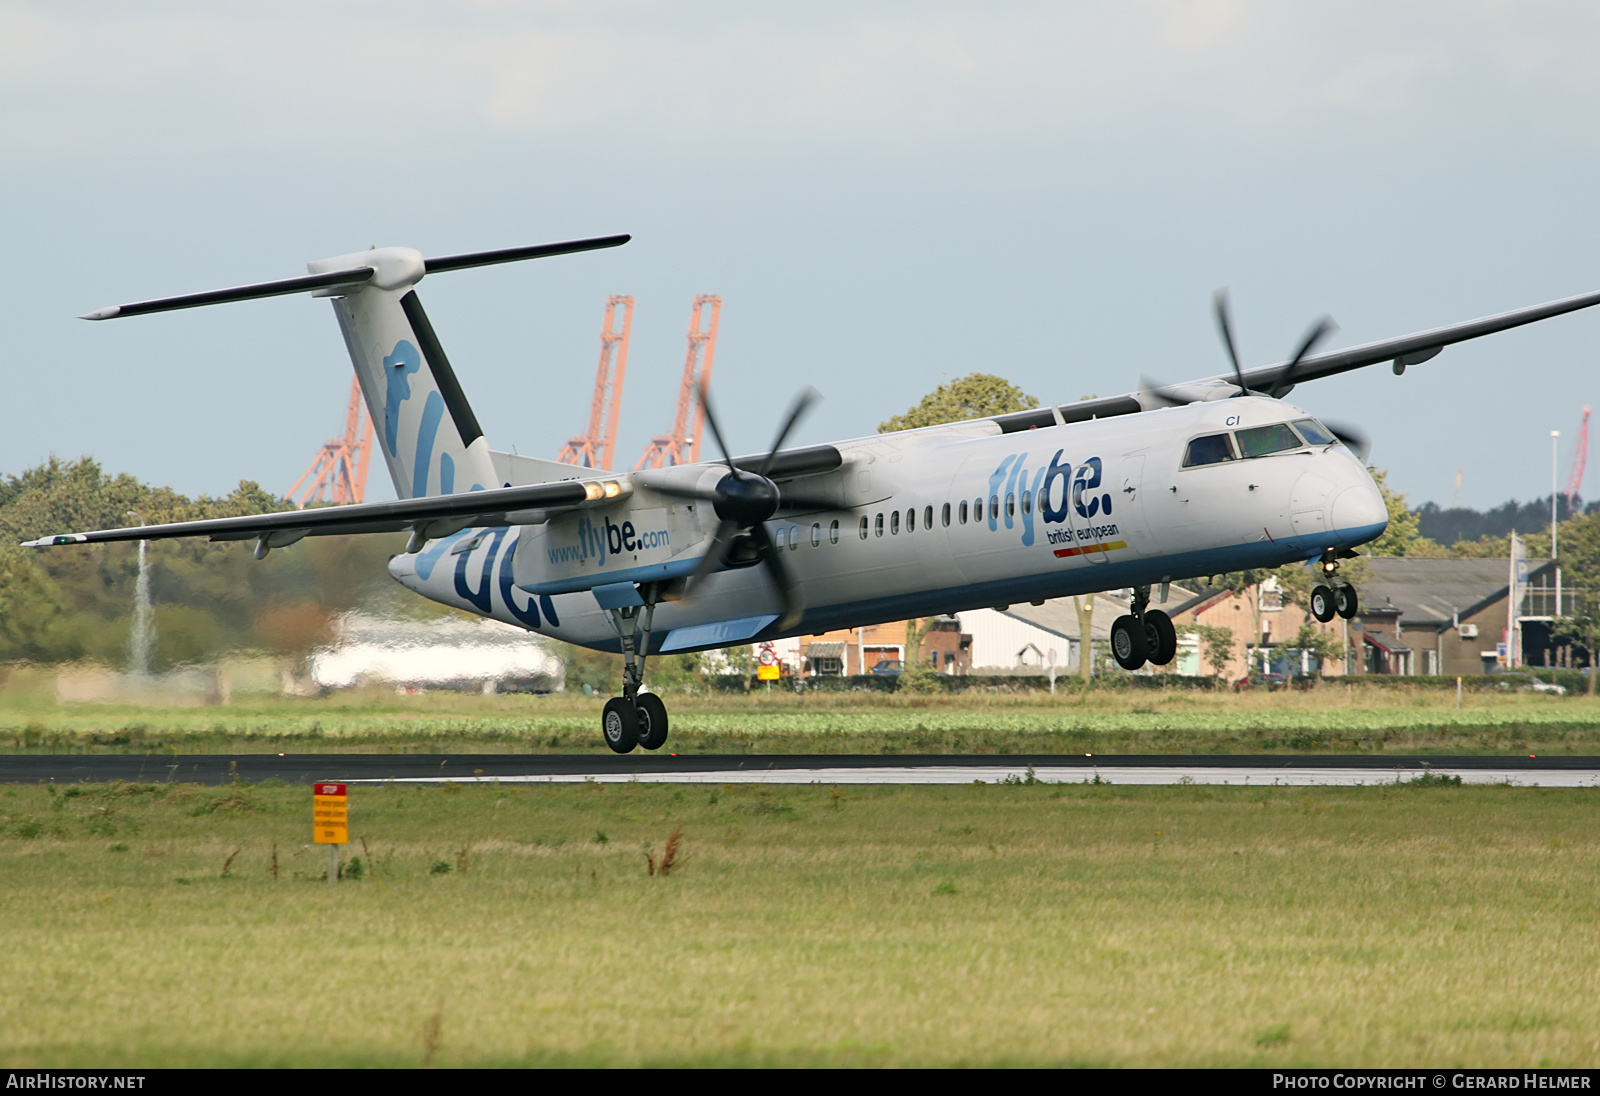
{"points": [[1332, 718], [1023, 924]]}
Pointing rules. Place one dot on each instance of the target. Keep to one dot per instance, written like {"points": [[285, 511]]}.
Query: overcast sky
{"points": [[885, 195]]}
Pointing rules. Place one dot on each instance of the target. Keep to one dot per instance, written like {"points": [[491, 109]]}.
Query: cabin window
{"points": [[1211, 449], [911, 521], [944, 516], [1258, 441], [816, 535], [833, 530], [927, 517], [778, 540], [794, 537], [877, 526], [961, 516], [1314, 432], [1011, 505], [894, 523], [863, 527], [977, 509], [994, 507]]}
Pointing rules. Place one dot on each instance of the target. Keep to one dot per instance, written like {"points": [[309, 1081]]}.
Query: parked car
{"points": [[1537, 686], [888, 667]]}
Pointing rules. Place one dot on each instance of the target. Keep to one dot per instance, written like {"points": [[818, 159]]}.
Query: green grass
{"points": [[1333, 718], [978, 925]]}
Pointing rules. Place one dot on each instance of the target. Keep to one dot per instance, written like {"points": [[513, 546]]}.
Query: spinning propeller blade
{"points": [[1219, 301], [1171, 396], [744, 501]]}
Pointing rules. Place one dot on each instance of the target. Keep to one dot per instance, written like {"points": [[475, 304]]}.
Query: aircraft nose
{"points": [[1359, 513]]}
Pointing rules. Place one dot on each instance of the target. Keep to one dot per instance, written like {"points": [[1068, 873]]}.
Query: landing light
{"points": [[613, 489], [592, 491]]}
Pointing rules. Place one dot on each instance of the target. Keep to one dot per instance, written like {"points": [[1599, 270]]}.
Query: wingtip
{"points": [[103, 313]]}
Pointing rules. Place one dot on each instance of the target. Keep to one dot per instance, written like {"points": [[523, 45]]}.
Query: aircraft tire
{"points": [[1323, 603], [1161, 637], [1346, 601], [652, 721], [1128, 644], [619, 724]]}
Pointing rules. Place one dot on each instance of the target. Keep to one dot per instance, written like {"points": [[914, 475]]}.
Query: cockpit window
{"points": [[1314, 432], [1212, 449], [1261, 440]]}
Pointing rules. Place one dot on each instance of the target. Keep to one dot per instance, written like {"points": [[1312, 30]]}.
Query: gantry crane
{"points": [[594, 449], [338, 475], [682, 446], [1579, 455]]}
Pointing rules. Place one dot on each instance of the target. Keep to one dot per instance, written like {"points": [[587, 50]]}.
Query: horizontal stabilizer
{"points": [[517, 254], [238, 293], [360, 275]]}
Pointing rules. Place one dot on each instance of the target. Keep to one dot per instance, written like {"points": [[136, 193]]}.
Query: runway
{"points": [[1237, 769]]}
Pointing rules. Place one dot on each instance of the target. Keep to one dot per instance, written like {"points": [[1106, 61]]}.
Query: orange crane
{"points": [[682, 446], [1579, 456], [594, 449], [338, 475]]}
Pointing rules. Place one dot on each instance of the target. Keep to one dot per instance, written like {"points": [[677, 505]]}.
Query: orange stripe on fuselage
{"points": [[1063, 553]]}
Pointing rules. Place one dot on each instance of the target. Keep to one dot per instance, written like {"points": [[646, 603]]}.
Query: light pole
{"points": [[1555, 436]]}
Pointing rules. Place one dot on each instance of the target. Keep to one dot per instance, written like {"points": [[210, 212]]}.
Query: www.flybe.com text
{"points": [[607, 539]]}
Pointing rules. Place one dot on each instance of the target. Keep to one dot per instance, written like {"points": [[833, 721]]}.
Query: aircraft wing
{"points": [[1418, 347], [422, 515], [1402, 351], [440, 515]]}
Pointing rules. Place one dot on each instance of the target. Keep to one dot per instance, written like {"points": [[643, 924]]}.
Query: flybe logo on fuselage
{"points": [[1052, 492], [598, 542]]}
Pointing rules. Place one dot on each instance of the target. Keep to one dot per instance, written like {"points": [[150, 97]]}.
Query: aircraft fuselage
{"points": [[936, 521]]}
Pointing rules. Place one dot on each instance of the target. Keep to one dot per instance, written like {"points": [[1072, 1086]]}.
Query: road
{"points": [[1259, 769]]}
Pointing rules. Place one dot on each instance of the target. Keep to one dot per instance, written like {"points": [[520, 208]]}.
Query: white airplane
{"points": [[1135, 491]]}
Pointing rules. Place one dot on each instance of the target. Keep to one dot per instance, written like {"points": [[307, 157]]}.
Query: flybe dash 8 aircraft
{"points": [[1137, 491]]}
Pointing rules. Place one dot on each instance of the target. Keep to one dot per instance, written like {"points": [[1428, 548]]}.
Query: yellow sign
{"points": [[330, 816], [766, 673]]}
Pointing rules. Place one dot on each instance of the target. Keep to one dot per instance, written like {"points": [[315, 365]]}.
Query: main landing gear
{"points": [[634, 718], [1144, 635], [1340, 599]]}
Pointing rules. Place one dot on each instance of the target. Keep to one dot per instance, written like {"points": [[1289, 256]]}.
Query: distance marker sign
{"points": [[330, 817]]}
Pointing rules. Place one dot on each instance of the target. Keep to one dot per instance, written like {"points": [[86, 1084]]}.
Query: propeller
{"points": [[1172, 395], [744, 501], [1280, 385], [1352, 436]]}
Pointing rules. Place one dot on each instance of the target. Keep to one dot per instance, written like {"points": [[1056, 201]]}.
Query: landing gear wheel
{"points": [[1323, 605], [620, 725], [652, 716], [1128, 643], [1345, 600], [1161, 637]]}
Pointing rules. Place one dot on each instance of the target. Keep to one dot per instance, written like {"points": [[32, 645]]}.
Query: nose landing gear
{"points": [[1340, 599], [1144, 635], [634, 718]]}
